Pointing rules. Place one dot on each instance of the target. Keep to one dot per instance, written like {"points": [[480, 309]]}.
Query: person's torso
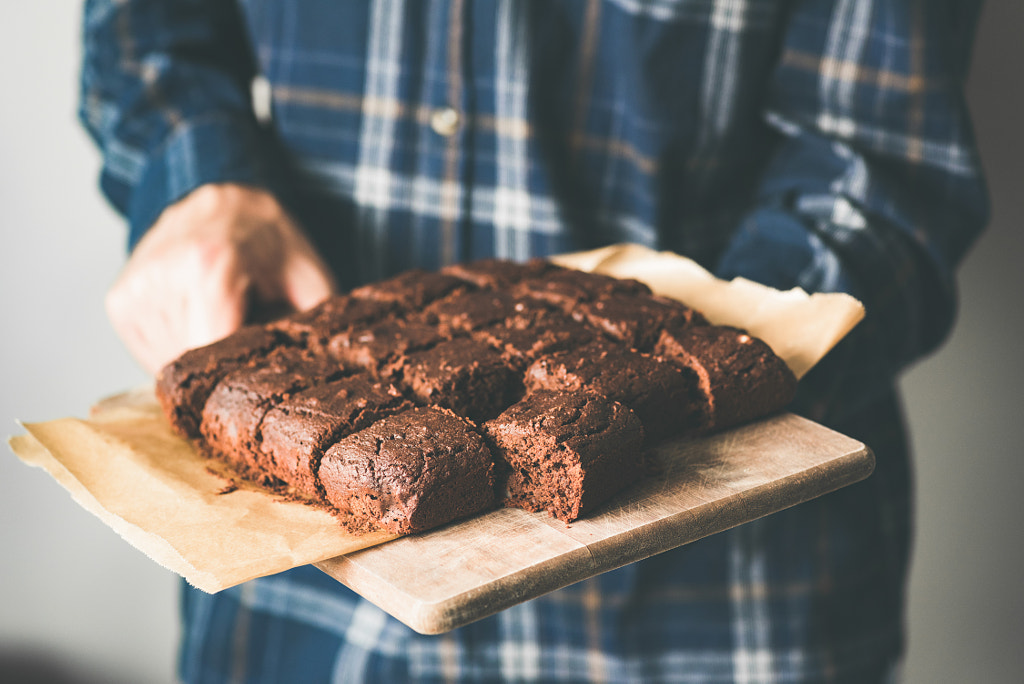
{"points": [[453, 129]]}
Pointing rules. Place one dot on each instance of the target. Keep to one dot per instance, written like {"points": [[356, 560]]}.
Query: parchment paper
{"points": [[126, 466]]}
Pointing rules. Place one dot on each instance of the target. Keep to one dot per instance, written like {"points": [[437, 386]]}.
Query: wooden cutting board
{"points": [[449, 577]]}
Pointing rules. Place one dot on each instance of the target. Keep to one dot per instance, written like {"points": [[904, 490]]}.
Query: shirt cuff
{"points": [[774, 247], [213, 150]]}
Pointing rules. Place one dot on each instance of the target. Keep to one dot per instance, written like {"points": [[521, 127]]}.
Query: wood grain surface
{"points": [[455, 575]]}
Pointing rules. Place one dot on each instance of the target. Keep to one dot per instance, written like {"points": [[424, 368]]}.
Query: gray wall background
{"points": [[78, 604]]}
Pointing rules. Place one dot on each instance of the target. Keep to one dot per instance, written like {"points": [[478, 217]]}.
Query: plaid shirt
{"points": [[818, 144]]}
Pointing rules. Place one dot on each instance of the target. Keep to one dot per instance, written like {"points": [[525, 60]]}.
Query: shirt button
{"points": [[445, 121]]}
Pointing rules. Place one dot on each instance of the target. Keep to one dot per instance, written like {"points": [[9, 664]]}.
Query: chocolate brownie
{"points": [[463, 375], [183, 385], [522, 339], [566, 288], [740, 375], [294, 434], [568, 452], [663, 396], [410, 290], [313, 329], [410, 471], [378, 346], [232, 415], [468, 311], [636, 320], [497, 274]]}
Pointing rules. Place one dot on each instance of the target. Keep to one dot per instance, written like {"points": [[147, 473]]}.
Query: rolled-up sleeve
{"points": [[165, 93], [875, 187]]}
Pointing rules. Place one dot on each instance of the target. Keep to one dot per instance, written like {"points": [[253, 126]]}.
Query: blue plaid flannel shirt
{"points": [[817, 144]]}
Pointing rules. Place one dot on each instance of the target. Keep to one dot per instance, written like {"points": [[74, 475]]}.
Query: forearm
{"points": [[165, 94], [874, 189]]}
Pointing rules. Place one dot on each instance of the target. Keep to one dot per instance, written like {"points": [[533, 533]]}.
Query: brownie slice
{"points": [[740, 375], [232, 415], [663, 396], [636, 320], [379, 346], [295, 433], [410, 471], [468, 311], [463, 375], [410, 290], [183, 385], [568, 452], [497, 274], [313, 329], [522, 339], [566, 288]]}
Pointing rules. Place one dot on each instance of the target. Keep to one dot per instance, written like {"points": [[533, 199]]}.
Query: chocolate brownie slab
{"points": [[740, 375], [295, 433], [636, 320], [410, 471], [463, 375], [183, 385], [232, 415], [663, 396], [568, 452]]}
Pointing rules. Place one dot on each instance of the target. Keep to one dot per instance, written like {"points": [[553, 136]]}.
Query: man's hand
{"points": [[208, 257]]}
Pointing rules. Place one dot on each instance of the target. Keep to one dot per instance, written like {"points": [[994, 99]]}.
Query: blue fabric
{"points": [[817, 144]]}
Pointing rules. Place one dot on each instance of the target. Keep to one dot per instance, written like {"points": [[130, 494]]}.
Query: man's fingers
{"points": [[217, 306], [305, 280]]}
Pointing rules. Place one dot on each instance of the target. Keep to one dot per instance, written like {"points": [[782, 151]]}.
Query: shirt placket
{"points": [[450, 119]]}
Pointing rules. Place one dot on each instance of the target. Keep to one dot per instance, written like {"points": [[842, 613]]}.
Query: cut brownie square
{"points": [[313, 329], [378, 346], [468, 311], [636, 320], [567, 452], [463, 375], [664, 397], [232, 415], [498, 274], [566, 288], [522, 339], [740, 375], [183, 385], [295, 433], [410, 290], [410, 471]]}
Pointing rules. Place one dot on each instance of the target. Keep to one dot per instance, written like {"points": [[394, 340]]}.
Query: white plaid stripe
{"points": [[520, 643], [692, 10], [374, 188], [718, 90], [752, 656], [422, 195], [845, 44], [361, 637], [512, 200], [277, 597]]}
